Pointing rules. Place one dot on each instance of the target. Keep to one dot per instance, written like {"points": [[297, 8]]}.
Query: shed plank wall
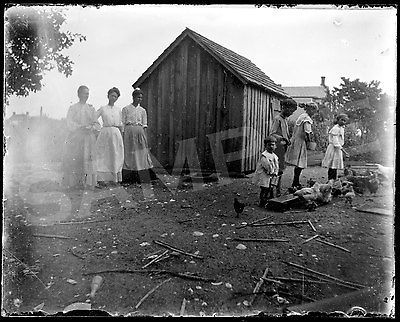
{"points": [[183, 98], [257, 119]]}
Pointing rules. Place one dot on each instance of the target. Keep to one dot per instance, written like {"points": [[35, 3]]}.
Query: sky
{"points": [[293, 46]]}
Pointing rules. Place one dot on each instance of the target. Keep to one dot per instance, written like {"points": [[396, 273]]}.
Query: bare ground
{"points": [[122, 234]]}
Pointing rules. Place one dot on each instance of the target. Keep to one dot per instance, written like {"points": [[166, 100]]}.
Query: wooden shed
{"points": [[207, 106]]}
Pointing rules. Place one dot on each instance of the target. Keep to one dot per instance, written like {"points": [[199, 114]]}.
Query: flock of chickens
{"points": [[346, 186]]}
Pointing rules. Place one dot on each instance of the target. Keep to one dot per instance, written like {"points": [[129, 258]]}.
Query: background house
{"points": [[196, 89], [307, 94], [34, 138]]}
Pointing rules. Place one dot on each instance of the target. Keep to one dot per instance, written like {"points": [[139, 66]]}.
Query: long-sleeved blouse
{"points": [[135, 115], [82, 115]]}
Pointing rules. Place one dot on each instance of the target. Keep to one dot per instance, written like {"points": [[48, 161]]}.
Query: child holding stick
{"points": [[333, 159], [267, 169]]}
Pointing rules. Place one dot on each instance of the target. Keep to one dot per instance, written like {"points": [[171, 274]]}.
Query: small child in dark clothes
{"points": [[267, 170]]}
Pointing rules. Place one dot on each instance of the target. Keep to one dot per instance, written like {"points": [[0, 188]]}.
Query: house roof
{"points": [[18, 117], [306, 91], [241, 67]]}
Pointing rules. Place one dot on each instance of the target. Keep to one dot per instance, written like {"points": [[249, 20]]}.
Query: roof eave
{"points": [[173, 45], [268, 89]]}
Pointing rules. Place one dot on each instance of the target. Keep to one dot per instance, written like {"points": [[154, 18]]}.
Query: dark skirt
{"points": [[136, 151]]}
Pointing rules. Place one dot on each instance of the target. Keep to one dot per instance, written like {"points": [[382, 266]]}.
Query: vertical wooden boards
{"points": [[256, 120], [197, 62], [160, 155], [185, 95], [245, 141], [171, 111], [164, 113]]}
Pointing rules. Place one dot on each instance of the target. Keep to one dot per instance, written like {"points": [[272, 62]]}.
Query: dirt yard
{"points": [[96, 232]]}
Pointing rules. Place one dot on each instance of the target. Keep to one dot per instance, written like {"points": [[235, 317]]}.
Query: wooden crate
{"points": [[284, 203]]}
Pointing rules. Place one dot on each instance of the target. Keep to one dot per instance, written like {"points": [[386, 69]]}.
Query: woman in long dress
{"points": [[333, 159], [280, 131], [297, 151], [109, 145], [137, 160], [78, 160]]}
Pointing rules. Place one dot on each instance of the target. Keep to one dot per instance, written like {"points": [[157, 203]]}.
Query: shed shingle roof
{"points": [[242, 67], [248, 70]]}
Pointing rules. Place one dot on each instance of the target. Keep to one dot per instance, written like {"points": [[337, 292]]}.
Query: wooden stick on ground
{"points": [[311, 238], [155, 259], [176, 249], [252, 223], [311, 225], [158, 271], [298, 280], [260, 240], [327, 280], [151, 292], [27, 267], [52, 236], [333, 245], [258, 285], [272, 280], [282, 223], [322, 274], [79, 222], [75, 254], [183, 306]]}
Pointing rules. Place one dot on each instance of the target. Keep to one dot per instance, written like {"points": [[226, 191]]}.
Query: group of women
{"points": [[114, 153], [117, 152]]}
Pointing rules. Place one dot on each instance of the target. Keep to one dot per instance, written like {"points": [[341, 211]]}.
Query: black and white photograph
{"points": [[190, 160]]}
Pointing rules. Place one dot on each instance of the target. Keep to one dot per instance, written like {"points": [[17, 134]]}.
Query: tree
{"points": [[364, 103], [33, 45]]}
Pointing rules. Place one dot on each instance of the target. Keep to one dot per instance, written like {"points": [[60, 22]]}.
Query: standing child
{"points": [[302, 136], [267, 170], [280, 131], [333, 159]]}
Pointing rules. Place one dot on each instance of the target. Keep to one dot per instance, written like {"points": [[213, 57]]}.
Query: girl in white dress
{"points": [[333, 159], [109, 145]]}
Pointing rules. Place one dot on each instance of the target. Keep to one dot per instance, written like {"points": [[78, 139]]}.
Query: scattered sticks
{"points": [[282, 223], [27, 267], [52, 236], [252, 223], [298, 280], [176, 249], [312, 226], [333, 245], [272, 280], [151, 292], [155, 259], [258, 285], [325, 275], [183, 306], [79, 222], [260, 240], [75, 254], [311, 238], [157, 271], [326, 280]]}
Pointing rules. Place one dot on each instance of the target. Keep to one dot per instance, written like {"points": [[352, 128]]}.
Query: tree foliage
{"points": [[364, 103], [34, 42]]}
